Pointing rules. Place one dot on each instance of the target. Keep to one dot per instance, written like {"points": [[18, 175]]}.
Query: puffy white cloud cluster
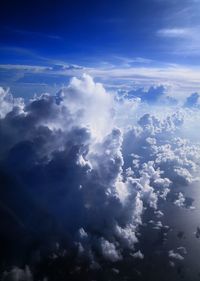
{"points": [[7, 102], [70, 168], [180, 201], [177, 255]]}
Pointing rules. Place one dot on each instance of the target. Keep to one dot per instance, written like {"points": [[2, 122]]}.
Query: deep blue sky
{"points": [[84, 30], [107, 34]]}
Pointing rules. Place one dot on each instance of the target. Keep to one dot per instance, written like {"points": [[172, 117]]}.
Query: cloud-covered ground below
{"points": [[90, 180]]}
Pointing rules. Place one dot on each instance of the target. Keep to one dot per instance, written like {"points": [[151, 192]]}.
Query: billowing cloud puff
{"points": [[179, 255], [86, 99], [138, 255], [74, 175], [7, 102]]}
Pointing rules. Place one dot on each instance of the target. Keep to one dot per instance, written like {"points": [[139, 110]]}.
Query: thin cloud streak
{"points": [[181, 80]]}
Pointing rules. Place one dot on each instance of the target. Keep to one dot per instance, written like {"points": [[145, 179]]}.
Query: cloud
{"points": [[109, 251], [175, 256], [79, 163], [185, 39], [127, 61], [175, 32], [138, 255], [181, 28], [7, 102], [178, 255], [180, 201], [177, 80], [17, 274], [76, 176]]}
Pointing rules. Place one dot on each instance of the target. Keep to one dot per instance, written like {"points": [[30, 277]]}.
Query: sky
{"points": [[43, 42], [79, 30]]}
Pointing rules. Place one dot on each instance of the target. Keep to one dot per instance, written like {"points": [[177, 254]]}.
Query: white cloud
{"points": [[178, 80], [185, 40], [138, 255], [109, 251], [8, 102], [180, 29], [175, 256], [175, 32], [180, 202]]}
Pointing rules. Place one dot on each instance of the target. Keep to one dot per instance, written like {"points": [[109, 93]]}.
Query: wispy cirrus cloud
{"points": [[185, 40], [175, 32], [128, 61], [180, 29]]}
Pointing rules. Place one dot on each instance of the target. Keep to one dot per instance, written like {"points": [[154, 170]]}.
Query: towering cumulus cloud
{"points": [[80, 173]]}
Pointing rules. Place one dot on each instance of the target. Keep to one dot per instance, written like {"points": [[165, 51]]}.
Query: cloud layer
{"points": [[81, 169]]}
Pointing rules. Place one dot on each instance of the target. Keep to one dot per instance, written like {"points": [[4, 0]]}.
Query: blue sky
{"points": [[96, 34]]}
